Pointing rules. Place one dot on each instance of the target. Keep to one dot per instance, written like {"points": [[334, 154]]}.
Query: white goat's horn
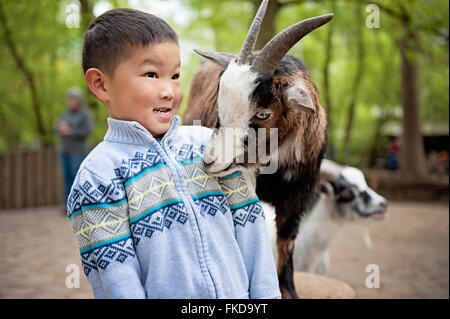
{"points": [[273, 52], [252, 35], [329, 170]]}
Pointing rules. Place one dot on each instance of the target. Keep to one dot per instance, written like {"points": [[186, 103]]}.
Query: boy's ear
{"points": [[95, 80]]}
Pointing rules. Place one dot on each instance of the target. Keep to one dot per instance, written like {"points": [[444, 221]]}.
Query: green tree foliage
{"points": [[52, 53]]}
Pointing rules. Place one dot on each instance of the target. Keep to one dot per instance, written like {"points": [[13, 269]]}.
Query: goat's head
{"points": [[350, 197], [261, 89]]}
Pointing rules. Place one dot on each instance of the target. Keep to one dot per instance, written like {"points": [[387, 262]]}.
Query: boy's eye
{"points": [[175, 76], [151, 74]]}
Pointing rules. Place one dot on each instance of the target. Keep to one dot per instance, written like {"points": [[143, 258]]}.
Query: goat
{"points": [[266, 89], [345, 198]]}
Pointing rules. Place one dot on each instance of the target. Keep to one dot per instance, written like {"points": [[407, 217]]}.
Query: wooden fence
{"points": [[30, 179]]}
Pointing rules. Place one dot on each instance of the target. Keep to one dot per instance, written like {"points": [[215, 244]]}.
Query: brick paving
{"points": [[411, 247], [36, 246]]}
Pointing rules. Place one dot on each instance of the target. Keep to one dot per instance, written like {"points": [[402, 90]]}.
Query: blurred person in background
{"points": [[393, 154], [443, 162], [73, 127]]}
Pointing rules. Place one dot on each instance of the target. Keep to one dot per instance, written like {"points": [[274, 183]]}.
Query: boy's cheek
{"points": [[179, 96], [180, 99], [143, 97]]}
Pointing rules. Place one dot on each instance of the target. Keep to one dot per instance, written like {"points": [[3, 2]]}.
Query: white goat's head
{"points": [[350, 196], [264, 89]]}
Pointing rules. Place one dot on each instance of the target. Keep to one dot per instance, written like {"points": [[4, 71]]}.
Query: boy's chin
{"points": [[159, 132]]}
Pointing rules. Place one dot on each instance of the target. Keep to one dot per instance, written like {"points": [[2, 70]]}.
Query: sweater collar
{"points": [[131, 132]]}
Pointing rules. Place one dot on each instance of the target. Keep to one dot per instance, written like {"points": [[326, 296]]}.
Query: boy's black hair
{"points": [[113, 34]]}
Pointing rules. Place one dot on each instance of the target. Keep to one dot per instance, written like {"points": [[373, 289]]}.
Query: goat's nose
{"points": [[209, 160], [383, 204]]}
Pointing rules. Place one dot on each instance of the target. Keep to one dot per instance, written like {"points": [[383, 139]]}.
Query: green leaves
{"points": [[52, 52]]}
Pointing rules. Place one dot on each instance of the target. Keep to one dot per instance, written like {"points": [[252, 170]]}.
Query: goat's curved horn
{"points": [[252, 35], [271, 54], [220, 58]]}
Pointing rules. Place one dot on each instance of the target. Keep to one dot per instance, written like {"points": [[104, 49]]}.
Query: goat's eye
{"points": [[262, 115], [176, 76], [346, 195], [151, 75]]}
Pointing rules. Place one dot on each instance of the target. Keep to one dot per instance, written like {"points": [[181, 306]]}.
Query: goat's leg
{"points": [[285, 268], [287, 230]]}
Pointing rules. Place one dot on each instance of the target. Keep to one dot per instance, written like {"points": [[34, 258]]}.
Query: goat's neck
{"points": [[319, 227]]}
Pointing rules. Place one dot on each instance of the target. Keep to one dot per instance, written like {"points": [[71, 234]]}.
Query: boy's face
{"points": [[145, 87]]}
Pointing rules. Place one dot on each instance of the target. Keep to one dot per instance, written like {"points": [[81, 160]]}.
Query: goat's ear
{"points": [[220, 58], [297, 95], [326, 188]]}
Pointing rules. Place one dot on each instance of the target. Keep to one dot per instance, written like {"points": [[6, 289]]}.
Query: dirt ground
{"points": [[411, 248]]}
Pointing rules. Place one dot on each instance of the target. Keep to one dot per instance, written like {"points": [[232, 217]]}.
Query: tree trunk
{"points": [[268, 29], [87, 16], [346, 148], [29, 76], [326, 86], [412, 153], [384, 115]]}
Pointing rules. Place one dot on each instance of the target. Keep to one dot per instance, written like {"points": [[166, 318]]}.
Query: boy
{"points": [[149, 221]]}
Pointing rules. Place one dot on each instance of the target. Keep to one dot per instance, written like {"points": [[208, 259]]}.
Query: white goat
{"points": [[344, 197]]}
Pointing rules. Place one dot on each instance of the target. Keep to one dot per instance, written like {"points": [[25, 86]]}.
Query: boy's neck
{"points": [[158, 138]]}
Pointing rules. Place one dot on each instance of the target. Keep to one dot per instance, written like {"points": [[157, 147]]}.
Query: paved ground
{"points": [[36, 247], [411, 248]]}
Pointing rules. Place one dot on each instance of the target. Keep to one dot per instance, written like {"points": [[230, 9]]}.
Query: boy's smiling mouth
{"points": [[162, 110], [163, 113]]}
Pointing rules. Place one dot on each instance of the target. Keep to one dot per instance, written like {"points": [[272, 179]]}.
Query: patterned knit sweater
{"points": [[150, 223]]}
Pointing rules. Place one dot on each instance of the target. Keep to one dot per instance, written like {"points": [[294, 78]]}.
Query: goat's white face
{"points": [[234, 113], [254, 120], [354, 199]]}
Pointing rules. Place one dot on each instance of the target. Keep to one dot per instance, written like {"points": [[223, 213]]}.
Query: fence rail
{"points": [[30, 179]]}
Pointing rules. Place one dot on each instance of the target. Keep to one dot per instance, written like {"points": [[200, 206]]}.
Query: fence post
{"points": [[3, 179], [28, 172], [8, 189], [41, 188], [17, 179]]}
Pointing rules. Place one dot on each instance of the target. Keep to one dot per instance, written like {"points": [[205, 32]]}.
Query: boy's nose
{"points": [[167, 94]]}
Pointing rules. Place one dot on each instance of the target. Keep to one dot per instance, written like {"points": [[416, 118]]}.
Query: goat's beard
{"points": [[250, 173], [230, 169]]}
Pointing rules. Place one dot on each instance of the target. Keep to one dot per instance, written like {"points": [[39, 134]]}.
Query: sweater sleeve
{"points": [[101, 225], [251, 236]]}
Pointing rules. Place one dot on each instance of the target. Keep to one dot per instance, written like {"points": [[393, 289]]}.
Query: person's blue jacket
{"points": [[151, 223]]}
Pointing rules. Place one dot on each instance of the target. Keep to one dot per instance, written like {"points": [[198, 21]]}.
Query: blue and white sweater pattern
{"points": [[159, 188]]}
